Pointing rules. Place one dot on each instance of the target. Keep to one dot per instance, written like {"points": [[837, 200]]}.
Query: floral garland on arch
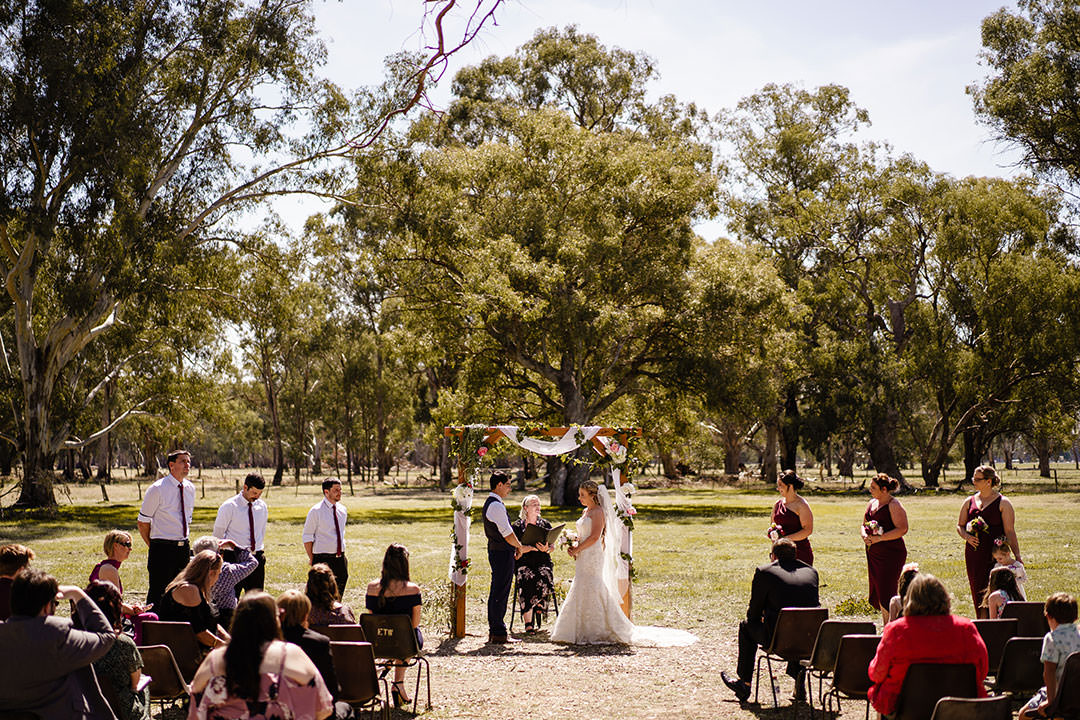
{"points": [[470, 449]]}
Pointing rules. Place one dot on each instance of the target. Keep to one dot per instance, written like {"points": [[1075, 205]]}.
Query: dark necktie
{"points": [[251, 526], [183, 512], [337, 528]]}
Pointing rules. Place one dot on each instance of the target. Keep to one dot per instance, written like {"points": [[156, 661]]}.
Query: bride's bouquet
{"points": [[775, 532], [567, 539], [873, 527]]}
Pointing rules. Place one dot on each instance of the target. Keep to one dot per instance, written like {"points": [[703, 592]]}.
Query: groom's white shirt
{"points": [[497, 514]]}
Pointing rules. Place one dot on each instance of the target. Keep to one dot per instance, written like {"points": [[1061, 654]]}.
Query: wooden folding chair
{"points": [[926, 683], [167, 684], [180, 639], [343, 633], [850, 677]]}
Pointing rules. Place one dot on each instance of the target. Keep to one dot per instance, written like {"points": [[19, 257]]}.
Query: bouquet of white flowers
{"points": [[567, 539]]}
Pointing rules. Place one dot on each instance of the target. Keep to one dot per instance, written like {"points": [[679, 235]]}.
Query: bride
{"points": [[591, 613]]}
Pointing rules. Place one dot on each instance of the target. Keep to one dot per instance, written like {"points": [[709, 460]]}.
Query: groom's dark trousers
{"points": [[502, 576], [501, 558]]}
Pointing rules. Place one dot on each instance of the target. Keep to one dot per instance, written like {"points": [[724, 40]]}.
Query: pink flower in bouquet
{"points": [[977, 525], [481, 451], [775, 532], [873, 527]]}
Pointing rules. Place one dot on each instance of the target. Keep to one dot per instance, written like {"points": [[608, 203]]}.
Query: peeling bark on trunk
{"points": [[974, 450]]}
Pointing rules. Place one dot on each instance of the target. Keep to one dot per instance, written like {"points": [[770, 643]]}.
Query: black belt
{"points": [[162, 541]]}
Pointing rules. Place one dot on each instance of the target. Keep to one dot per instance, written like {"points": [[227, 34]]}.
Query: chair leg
{"points": [[513, 604]]}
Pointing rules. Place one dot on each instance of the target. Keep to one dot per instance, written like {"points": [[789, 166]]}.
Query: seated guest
{"points": [[223, 594], [786, 582], [322, 591], [293, 609], [1062, 640], [394, 594], [1001, 590], [44, 660], [121, 667], [117, 547], [927, 633], [896, 602], [186, 599], [535, 578], [13, 558], [257, 672]]}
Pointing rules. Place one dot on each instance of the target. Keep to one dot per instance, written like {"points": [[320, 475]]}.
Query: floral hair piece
{"points": [[999, 541]]}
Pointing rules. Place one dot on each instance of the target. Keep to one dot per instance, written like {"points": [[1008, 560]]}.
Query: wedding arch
{"points": [[470, 443]]}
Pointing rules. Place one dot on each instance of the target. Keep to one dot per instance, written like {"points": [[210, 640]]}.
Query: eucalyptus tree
{"points": [[121, 124]]}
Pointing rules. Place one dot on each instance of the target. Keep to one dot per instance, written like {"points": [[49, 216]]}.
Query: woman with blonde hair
{"points": [[984, 516], [117, 547], [186, 599], [927, 633], [535, 575]]}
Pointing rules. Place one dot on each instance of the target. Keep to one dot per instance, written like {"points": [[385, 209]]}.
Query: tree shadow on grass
{"points": [[538, 647]]}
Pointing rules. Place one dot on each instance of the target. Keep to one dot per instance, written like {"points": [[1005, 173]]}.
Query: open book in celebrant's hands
{"points": [[535, 535]]}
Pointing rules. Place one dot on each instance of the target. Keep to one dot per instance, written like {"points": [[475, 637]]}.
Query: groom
{"points": [[503, 550]]}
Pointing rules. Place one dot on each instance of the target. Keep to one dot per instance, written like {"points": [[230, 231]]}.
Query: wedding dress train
{"points": [[591, 613]]}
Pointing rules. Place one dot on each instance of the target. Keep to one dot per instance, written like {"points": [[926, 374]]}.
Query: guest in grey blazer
{"points": [[44, 660]]}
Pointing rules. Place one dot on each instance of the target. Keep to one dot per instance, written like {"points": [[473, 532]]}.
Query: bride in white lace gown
{"points": [[591, 613]]}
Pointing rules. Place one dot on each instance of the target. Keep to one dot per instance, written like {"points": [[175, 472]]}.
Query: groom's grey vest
{"points": [[495, 539]]}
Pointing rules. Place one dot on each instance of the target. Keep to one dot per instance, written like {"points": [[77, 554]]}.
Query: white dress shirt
{"points": [[497, 513], [161, 508], [233, 523], [319, 527]]}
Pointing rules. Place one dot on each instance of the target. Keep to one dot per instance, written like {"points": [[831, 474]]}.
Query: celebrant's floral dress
{"points": [[535, 578]]}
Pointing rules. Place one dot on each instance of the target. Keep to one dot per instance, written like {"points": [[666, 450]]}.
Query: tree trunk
{"points": [[380, 417], [732, 439], [7, 456], [973, 451], [316, 453], [667, 462], [150, 465], [38, 457], [104, 451], [789, 431], [883, 422], [845, 459], [769, 470], [446, 465], [1042, 448], [557, 473]]}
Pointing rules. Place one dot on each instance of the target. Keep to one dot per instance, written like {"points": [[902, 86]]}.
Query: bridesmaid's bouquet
{"points": [[775, 532], [977, 525], [567, 539], [873, 527]]}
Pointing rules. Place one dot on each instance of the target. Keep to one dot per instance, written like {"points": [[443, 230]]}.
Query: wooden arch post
{"points": [[491, 436]]}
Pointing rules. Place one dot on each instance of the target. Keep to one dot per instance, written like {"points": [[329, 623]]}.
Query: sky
{"points": [[906, 63]]}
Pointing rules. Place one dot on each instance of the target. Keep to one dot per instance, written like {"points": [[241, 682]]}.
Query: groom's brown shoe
{"points": [[502, 640]]}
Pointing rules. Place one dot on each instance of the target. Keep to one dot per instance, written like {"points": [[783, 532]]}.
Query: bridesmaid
{"points": [[886, 552], [792, 513], [998, 517]]}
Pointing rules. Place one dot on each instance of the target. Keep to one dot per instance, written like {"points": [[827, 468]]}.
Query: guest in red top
{"points": [[927, 633]]}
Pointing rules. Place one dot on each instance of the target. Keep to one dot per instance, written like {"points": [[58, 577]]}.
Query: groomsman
{"points": [[503, 549], [324, 533], [164, 520], [242, 519]]}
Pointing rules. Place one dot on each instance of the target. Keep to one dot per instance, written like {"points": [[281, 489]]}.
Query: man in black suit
{"points": [[785, 582]]}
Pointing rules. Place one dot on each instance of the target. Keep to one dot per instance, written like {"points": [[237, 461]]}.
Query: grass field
{"points": [[695, 549]]}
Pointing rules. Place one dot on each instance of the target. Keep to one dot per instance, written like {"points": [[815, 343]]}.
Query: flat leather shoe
{"points": [[741, 689]]}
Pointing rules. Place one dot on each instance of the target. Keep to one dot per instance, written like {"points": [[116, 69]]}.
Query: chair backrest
{"points": [[823, 656], [853, 656], [1021, 670], [795, 632], [989, 708], [1030, 615], [1067, 702], [354, 664], [166, 682], [926, 683], [180, 638], [392, 637], [108, 691], [343, 633], [994, 634]]}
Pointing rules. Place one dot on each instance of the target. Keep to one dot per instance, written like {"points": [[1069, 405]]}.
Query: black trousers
{"points": [[164, 561], [255, 580], [502, 577], [752, 635], [339, 565]]}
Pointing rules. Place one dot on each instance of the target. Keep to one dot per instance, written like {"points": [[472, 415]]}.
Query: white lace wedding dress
{"points": [[591, 613]]}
